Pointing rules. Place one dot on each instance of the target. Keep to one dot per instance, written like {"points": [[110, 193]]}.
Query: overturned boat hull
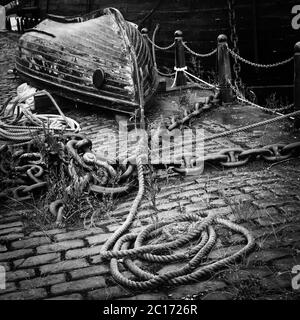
{"points": [[99, 59]]}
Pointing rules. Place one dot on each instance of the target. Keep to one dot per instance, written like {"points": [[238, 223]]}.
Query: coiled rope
{"points": [[14, 125], [119, 247], [203, 232]]}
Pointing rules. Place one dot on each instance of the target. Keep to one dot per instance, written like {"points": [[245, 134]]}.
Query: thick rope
{"points": [[118, 247], [212, 86], [11, 128], [133, 211], [190, 272]]}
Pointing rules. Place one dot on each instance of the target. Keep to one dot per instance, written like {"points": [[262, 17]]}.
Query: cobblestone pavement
{"points": [[64, 263]]}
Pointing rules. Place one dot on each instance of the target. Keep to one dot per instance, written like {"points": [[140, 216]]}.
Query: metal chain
{"points": [[258, 65], [201, 55], [199, 109], [242, 98], [237, 157], [159, 47], [234, 39], [166, 74], [154, 54]]}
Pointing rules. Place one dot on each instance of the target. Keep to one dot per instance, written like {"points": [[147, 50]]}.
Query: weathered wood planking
{"points": [[65, 56]]}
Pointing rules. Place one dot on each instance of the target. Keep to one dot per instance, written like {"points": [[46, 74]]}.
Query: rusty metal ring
{"points": [[293, 148], [89, 158], [215, 157], [189, 161], [4, 148], [233, 160], [17, 194], [84, 145], [109, 190], [54, 207], [34, 176], [72, 150], [101, 181], [254, 153], [189, 171], [276, 150], [3, 169], [129, 171], [33, 155], [112, 172], [36, 186]]}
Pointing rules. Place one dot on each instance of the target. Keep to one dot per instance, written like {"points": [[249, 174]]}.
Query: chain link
{"points": [[159, 47], [241, 97], [199, 109], [233, 158], [234, 39], [201, 55], [152, 42], [258, 65], [166, 74]]}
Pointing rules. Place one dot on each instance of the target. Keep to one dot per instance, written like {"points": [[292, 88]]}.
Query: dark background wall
{"points": [[264, 28]]}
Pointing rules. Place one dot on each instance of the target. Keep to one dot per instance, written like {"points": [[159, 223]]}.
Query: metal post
{"points": [[224, 70], [18, 19], [144, 32], [179, 59], [297, 83], [2, 19]]}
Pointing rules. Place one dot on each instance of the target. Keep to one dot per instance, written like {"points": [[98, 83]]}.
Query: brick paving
{"points": [[64, 263]]}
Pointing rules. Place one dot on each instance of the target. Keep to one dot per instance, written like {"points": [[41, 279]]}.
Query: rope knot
{"points": [[182, 69]]}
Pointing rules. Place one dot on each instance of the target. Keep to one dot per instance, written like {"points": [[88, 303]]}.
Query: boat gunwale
{"points": [[99, 93], [138, 56]]}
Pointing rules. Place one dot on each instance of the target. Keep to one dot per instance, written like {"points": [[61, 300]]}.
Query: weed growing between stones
{"points": [[80, 206]]}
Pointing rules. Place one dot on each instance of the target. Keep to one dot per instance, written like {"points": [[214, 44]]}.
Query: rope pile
{"points": [[19, 124], [124, 248]]}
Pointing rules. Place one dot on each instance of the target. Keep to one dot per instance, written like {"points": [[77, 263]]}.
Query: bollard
{"points": [[18, 24], [224, 70], [144, 32], [297, 83], [179, 59], [2, 19]]}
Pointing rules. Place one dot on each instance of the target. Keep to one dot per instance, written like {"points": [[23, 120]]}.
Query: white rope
{"points": [[200, 80], [241, 98], [182, 69]]}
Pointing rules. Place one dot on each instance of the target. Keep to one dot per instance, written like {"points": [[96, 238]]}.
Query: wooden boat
{"points": [[99, 59]]}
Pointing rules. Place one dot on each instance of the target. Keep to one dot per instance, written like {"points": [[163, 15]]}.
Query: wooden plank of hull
{"points": [[69, 58], [78, 95]]}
